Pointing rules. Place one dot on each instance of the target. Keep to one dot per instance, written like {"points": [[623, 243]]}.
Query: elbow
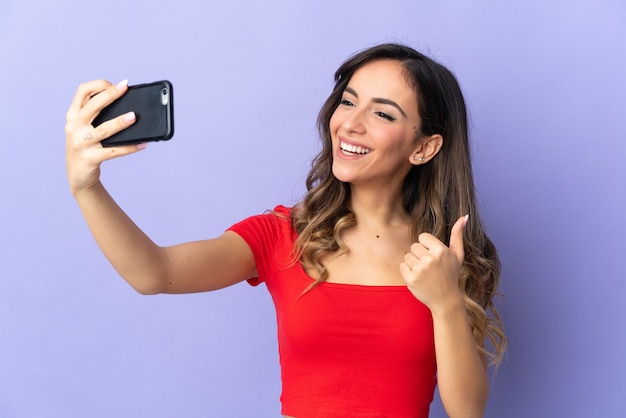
{"points": [[470, 412], [147, 287], [146, 291], [468, 405]]}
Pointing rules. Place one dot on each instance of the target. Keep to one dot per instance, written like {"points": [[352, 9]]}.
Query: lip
{"points": [[340, 154]]}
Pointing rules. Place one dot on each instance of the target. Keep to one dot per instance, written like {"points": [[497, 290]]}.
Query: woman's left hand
{"points": [[431, 269]]}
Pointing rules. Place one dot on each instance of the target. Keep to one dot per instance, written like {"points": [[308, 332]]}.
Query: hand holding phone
{"points": [[153, 104]]}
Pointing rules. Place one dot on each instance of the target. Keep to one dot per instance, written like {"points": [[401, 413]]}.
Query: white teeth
{"points": [[353, 149]]}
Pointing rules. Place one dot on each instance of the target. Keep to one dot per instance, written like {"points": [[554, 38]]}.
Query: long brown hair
{"points": [[434, 194]]}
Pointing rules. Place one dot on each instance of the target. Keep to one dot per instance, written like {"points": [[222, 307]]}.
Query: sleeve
{"points": [[265, 235]]}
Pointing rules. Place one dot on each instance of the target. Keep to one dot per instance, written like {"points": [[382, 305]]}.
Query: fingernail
{"points": [[142, 146], [129, 117], [121, 84], [465, 219]]}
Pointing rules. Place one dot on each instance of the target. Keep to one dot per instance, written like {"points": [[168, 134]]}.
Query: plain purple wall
{"points": [[546, 87]]}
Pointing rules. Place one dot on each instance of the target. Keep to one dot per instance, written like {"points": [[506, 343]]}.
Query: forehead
{"points": [[384, 79]]}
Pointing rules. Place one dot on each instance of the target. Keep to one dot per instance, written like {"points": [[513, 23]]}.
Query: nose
{"points": [[354, 120]]}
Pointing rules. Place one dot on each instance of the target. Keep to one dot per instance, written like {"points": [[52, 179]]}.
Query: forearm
{"points": [[462, 377], [131, 252]]}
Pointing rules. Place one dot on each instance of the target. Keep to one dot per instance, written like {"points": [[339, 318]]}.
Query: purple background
{"points": [[545, 82]]}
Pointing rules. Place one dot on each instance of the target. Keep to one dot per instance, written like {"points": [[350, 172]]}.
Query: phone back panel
{"points": [[153, 107]]}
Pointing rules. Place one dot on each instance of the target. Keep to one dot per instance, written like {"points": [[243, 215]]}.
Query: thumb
{"points": [[456, 238]]}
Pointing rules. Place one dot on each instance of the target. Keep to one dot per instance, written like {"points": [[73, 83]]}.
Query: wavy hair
{"points": [[434, 194]]}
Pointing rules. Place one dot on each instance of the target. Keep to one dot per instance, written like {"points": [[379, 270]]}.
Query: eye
{"points": [[346, 102], [385, 116]]}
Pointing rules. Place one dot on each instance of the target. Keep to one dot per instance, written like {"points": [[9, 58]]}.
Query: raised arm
{"points": [[147, 267], [431, 271]]}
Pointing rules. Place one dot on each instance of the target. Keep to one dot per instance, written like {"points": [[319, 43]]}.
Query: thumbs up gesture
{"points": [[431, 269]]}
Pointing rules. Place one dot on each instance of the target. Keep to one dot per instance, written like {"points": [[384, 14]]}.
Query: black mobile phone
{"points": [[153, 104]]}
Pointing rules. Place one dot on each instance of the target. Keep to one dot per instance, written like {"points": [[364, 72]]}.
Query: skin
{"points": [[379, 113]]}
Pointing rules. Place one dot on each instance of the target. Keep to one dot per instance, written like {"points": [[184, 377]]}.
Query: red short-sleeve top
{"points": [[346, 351]]}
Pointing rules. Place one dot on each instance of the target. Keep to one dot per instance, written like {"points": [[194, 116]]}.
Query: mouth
{"points": [[353, 149]]}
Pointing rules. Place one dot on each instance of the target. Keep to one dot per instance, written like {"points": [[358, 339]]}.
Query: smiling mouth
{"points": [[353, 149]]}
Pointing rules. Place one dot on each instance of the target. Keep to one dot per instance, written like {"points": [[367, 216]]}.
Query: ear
{"points": [[426, 149]]}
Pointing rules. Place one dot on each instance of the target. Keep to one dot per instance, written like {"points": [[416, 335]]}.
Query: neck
{"points": [[378, 209]]}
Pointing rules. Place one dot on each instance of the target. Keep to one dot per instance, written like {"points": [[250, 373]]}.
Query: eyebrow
{"points": [[377, 100]]}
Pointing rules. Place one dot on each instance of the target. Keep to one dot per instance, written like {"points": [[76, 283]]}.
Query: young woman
{"points": [[382, 277]]}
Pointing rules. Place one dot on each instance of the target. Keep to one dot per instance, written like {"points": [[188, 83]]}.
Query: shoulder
{"points": [[269, 223], [270, 238], [281, 210]]}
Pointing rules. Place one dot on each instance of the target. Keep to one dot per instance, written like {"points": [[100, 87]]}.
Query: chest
{"points": [[370, 261], [348, 324]]}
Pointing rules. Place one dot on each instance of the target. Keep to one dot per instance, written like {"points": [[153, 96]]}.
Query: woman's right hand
{"points": [[83, 151]]}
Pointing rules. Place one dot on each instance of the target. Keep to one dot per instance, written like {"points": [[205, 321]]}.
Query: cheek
{"points": [[392, 137], [334, 123]]}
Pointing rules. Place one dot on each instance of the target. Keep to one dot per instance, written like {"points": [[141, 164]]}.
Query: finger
{"points": [[417, 250], [86, 135], [411, 259], [429, 241], [96, 103], [84, 92], [116, 152], [405, 271], [456, 238], [112, 126]]}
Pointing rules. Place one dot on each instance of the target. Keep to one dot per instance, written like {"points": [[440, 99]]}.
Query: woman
{"points": [[382, 277]]}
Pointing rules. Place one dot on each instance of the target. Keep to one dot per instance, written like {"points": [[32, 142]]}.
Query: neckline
{"points": [[354, 286]]}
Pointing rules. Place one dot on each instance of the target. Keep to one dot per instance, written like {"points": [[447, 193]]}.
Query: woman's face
{"points": [[375, 126]]}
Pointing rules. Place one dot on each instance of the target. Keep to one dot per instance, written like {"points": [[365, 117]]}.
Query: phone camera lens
{"points": [[164, 92]]}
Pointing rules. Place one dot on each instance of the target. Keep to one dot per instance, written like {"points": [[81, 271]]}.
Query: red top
{"points": [[346, 351]]}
